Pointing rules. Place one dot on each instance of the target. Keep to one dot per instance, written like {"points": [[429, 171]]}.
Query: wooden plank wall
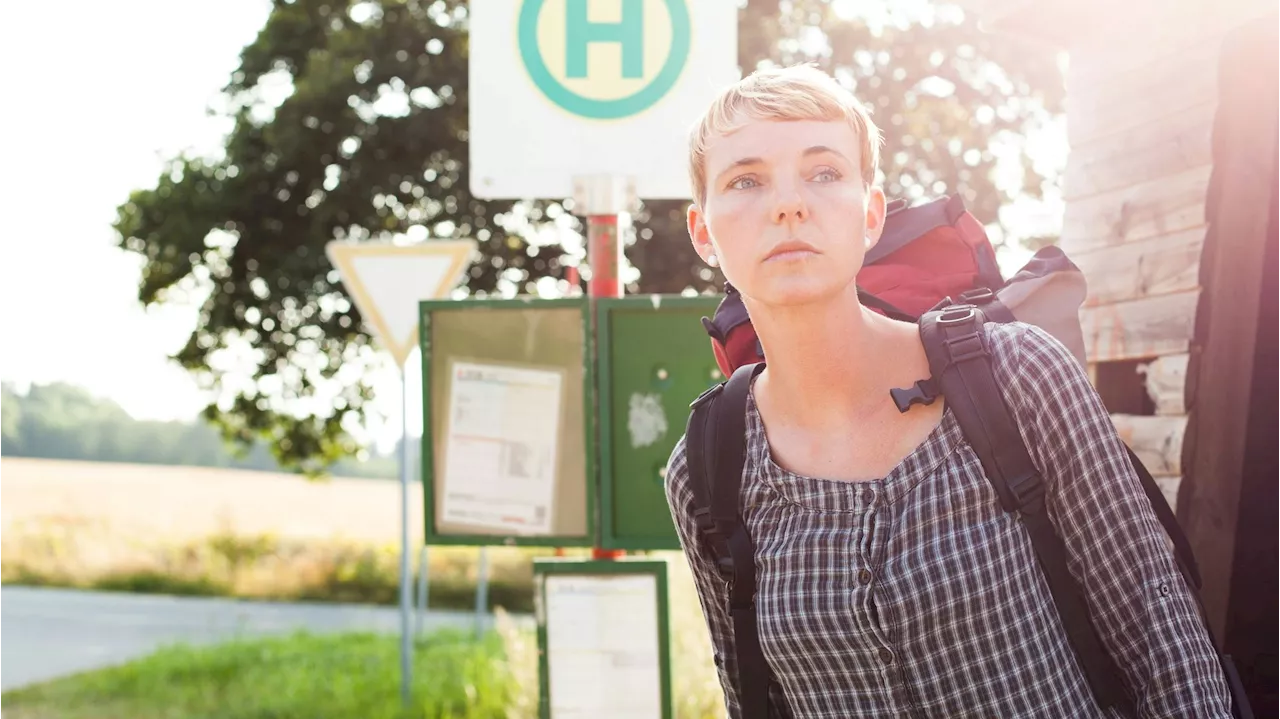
{"points": [[1141, 98]]}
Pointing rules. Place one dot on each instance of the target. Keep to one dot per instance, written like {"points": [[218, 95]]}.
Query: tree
{"points": [[369, 141], [10, 420], [63, 421]]}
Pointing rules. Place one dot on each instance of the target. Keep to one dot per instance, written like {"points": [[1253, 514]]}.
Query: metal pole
{"points": [[482, 591], [604, 256], [406, 599], [420, 615]]}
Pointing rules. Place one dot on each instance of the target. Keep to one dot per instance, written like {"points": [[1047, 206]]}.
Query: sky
{"points": [[104, 92], [101, 94]]}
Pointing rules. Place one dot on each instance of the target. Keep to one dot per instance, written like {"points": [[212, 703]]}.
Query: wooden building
{"points": [[1171, 193]]}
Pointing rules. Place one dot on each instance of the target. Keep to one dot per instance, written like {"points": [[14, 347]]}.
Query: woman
{"points": [[889, 580]]}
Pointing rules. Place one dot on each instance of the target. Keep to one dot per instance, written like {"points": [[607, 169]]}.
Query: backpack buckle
{"points": [[702, 518], [707, 396], [966, 347], [724, 565], [958, 315], [942, 304], [711, 533], [977, 296], [1026, 494], [923, 392], [962, 346]]}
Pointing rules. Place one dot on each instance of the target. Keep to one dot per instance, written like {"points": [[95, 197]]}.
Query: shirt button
{"points": [[869, 496], [886, 655], [864, 576]]}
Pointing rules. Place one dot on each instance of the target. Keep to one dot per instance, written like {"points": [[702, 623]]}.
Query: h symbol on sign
{"points": [[579, 32]]}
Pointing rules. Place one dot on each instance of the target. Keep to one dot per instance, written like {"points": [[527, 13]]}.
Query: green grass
{"points": [[152, 582], [263, 567], [452, 593], [303, 676]]}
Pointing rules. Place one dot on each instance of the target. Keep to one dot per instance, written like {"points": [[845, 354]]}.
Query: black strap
{"points": [[716, 449], [1240, 706], [700, 433], [890, 311], [960, 362], [1181, 547], [993, 310]]}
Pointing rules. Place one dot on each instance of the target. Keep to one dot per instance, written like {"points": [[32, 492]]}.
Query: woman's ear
{"points": [[876, 212], [699, 235]]}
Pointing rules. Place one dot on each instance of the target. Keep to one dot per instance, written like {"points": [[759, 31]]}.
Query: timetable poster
{"points": [[503, 431], [603, 646]]}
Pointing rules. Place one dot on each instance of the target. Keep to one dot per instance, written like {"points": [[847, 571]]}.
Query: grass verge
{"points": [[275, 568], [301, 675], [265, 567]]}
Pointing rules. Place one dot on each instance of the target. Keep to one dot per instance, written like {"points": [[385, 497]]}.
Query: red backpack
{"points": [[934, 266]]}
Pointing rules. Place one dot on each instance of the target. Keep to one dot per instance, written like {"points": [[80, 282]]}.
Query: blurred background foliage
{"points": [[350, 122]]}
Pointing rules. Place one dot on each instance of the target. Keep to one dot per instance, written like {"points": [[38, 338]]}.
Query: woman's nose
{"points": [[789, 205]]}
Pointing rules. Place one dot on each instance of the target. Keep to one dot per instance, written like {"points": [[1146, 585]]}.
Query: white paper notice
{"points": [[500, 451], [602, 647]]}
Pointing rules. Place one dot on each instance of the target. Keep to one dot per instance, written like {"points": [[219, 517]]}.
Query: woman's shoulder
{"points": [[1020, 350], [1042, 382]]}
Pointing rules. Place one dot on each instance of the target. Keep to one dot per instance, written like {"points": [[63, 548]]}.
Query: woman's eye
{"points": [[743, 183], [827, 176]]}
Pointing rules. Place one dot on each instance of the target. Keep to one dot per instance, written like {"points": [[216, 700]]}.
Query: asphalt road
{"points": [[49, 633]]}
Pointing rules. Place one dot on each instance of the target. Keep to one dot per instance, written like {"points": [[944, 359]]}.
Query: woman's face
{"points": [[786, 212]]}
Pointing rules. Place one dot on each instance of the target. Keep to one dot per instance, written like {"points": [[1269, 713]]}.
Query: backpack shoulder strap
{"points": [[716, 454], [1181, 546], [961, 364], [993, 310]]}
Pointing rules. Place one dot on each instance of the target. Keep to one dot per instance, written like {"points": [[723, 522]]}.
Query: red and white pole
{"points": [[601, 199], [604, 256]]}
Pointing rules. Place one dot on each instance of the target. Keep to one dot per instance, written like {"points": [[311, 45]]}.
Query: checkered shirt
{"points": [[916, 595]]}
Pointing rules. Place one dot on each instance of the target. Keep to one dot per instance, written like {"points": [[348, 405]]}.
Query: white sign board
{"points": [[386, 282], [500, 446], [569, 89], [602, 646]]}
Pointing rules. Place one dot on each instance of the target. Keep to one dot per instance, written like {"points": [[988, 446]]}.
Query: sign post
{"points": [[386, 281], [593, 101], [601, 199]]}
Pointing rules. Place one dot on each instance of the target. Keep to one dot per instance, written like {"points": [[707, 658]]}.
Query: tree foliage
{"points": [[350, 121]]}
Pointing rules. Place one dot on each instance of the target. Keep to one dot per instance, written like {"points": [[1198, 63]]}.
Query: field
{"points": [[188, 503], [217, 531], [253, 534]]}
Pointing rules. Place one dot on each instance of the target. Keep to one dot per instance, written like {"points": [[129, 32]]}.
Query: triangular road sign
{"points": [[386, 282]]}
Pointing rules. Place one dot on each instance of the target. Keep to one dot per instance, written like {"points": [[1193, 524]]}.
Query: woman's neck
{"points": [[832, 360]]}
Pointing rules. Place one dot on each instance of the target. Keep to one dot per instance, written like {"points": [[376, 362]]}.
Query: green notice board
{"points": [[653, 358], [508, 407], [603, 639]]}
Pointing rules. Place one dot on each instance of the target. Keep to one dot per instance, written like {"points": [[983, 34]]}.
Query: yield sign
{"points": [[386, 282]]}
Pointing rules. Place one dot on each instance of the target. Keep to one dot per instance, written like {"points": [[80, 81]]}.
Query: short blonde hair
{"points": [[799, 92]]}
